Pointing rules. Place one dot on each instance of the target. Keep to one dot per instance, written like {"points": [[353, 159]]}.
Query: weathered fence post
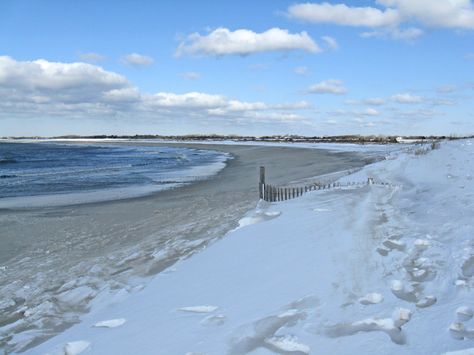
{"points": [[262, 182]]}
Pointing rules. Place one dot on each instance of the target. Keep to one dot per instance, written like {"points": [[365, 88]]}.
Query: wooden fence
{"points": [[272, 193]]}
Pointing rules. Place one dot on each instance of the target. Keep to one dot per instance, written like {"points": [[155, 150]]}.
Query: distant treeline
{"points": [[359, 139]]}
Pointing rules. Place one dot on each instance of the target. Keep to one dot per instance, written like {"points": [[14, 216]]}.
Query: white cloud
{"points": [[188, 100], [369, 112], [137, 60], [191, 75], [406, 98], [403, 34], [439, 13], [62, 81], [331, 43], [222, 41], [377, 101], [391, 18], [302, 105], [302, 70], [469, 56], [91, 57], [342, 14], [43, 89], [330, 86], [443, 102]]}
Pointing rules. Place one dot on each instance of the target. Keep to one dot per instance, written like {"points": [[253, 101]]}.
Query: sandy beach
{"points": [[108, 244]]}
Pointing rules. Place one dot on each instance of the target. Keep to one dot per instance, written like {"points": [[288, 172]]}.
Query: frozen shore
{"points": [[54, 261], [359, 270]]}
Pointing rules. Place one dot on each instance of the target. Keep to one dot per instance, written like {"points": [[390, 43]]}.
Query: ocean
{"points": [[33, 175]]}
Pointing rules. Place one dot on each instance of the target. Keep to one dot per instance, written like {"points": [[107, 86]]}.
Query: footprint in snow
{"points": [[111, 323], [391, 326], [457, 329], [214, 320]]}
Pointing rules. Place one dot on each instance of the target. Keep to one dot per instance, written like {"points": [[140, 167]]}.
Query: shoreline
{"points": [[102, 246]]}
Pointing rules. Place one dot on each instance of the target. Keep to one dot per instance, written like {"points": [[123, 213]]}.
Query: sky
{"points": [[392, 67]]}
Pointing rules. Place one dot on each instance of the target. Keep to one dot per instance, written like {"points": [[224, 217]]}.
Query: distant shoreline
{"points": [[351, 139]]}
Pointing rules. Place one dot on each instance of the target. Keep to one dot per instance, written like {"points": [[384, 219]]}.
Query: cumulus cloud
{"points": [[91, 57], [391, 17], [223, 41], [137, 60], [439, 13], [330, 86], [342, 14], [41, 88], [406, 98], [53, 81]]}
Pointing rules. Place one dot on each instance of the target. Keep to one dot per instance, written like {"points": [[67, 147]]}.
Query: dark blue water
{"points": [[33, 169]]}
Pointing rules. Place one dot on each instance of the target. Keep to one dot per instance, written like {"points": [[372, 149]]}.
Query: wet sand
{"points": [[56, 250]]}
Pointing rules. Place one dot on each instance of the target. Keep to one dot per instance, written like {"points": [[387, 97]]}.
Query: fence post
{"points": [[261, 182]]}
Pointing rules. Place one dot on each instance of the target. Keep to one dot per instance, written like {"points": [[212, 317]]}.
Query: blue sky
{"points": [[244, 67]]}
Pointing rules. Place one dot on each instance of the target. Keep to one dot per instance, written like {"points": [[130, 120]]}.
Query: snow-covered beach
{"points": [[55, 260], [356, 270]]}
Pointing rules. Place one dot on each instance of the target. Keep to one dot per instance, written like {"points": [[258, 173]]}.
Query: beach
{"points": [[89, 248], [355, 269]]}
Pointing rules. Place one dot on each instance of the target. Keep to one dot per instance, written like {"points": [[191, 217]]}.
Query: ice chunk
{"points": [[457, 330], [464, 313], [422, 244], [371, 298], [111, 323], [76, 296], [426, 302], [394, 244], [401, 316], [76, 347], [287, 344]]}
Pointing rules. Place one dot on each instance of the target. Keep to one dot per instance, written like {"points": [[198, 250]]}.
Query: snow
{"points": [[111, 323], [367, 269], [371, 298], [199, 309], [76, 347]]}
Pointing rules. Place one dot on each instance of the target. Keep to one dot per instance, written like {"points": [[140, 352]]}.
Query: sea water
{"points": [[39, 174]]}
